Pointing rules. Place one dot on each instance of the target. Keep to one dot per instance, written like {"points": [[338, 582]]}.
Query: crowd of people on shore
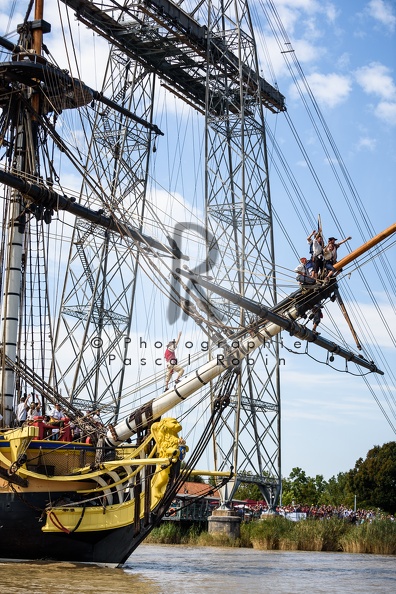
{"points": [[342, 512], [323, 512]]}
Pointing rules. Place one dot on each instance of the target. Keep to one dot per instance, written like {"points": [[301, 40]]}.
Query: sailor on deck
{"points": [[22, 410], [31, 413], [57, 421]]}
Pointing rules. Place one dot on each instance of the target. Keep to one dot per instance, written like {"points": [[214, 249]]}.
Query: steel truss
{"points": [[99, 290], [239, 215]]}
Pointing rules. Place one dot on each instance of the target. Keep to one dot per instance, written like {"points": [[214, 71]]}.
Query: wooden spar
{"points": [[37, 38], [348, 320], [52, 200], [37, 33], [365, 247]]}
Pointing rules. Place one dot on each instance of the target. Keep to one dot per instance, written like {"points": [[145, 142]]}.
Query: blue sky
{"points": [[347, 52]]}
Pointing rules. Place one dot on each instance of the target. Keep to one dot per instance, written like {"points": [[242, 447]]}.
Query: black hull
{"points": [[21, 536]]}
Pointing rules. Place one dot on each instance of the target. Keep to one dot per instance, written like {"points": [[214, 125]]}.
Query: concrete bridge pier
{"points": [[225, 521]]}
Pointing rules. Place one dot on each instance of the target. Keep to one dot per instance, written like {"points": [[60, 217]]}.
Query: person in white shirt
{"points": [[330, 255], [57, 414], [56, 420], [31, 413], [315, 241], [303, 276], [22, 410]]}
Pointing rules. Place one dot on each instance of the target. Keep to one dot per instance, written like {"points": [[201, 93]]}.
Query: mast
{"points": [[12, 288], [37, 33], [24, 162]]}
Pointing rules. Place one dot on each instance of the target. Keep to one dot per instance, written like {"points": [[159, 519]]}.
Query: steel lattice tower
{"points": [[212, 67], [99, 291], [239, 215]]}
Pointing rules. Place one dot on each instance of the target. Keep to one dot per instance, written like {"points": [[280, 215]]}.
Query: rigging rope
{"points": [[176, 175]]}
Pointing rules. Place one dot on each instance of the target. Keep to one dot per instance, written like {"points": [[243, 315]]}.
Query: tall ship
{"points": [[106, 265]]}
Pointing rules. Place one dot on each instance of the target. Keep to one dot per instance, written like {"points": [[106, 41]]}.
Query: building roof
{"points": [[196, 489]]}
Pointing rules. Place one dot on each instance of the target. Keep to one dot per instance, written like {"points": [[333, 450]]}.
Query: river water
{"points": [[162, 569]]}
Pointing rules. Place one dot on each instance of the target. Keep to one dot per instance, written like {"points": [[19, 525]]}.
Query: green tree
{"points": [[320, 487], [306, 490], [373, 480], [301, 488], [248, 491], [336, 491]]}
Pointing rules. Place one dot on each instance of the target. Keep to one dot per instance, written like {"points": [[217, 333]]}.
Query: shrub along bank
{"points": [[278, 533]]}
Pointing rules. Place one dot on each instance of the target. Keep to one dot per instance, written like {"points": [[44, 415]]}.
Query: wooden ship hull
{"points": [[23, 538], [54, 506]]}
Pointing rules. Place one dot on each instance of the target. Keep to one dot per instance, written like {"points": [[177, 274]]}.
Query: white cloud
{"points": [[292, 12], [331, 12], [308, 6], [289, 17], [312, 31], [270, 48], [344, 61], [382, 12], [329, 89], [307, 52], [386, 111], [376, 79], [302, 164], [366, 143], [304, 21]]}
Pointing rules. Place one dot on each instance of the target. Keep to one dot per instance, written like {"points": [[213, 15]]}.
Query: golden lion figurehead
{"points": [[165, 433]]}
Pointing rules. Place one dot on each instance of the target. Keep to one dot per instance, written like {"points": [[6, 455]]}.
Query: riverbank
{"points": [[278, 534]]}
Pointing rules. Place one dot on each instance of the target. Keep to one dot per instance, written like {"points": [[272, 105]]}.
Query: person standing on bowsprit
{"points": [[330, 256], [315, 241], [171, 362]]}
